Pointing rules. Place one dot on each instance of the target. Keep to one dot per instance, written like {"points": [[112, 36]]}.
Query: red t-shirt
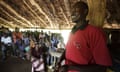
{"points": [[88, 46], [17, 36]]}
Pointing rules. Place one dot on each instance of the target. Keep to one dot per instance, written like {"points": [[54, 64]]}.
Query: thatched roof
{"points": [[53, 14]]}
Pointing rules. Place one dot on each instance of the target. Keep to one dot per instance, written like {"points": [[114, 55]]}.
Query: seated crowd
{"points": [[33, 46]]}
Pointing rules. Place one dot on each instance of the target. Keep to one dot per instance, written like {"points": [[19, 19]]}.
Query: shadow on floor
{"points": [[13, 64]]}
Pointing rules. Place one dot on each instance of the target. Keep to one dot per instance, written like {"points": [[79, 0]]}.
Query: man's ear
{"points": [[85, 11]]}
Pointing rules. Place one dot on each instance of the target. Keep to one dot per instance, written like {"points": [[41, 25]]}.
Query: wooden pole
{"points": [[97, 10]]}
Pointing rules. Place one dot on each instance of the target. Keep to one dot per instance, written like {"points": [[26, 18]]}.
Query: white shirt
{"points": [[6, 40], [61, 45]]}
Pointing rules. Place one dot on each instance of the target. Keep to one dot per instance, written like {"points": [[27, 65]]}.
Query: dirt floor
{"points": [[13, 64]]}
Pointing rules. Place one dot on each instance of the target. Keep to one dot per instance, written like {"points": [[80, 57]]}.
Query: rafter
{"points": [[48, 11], [14, 19], [41, 11], [13, 11], [9, 24], [52, 13], [36, 15]]}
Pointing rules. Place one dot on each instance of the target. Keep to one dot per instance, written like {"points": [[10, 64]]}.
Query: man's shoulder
{"points": [[92, 27], [17, 33]]}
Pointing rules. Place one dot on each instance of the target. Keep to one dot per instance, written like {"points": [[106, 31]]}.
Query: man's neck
{"points": [[82, 21]]}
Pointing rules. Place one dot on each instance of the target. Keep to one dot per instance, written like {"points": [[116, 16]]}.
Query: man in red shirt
{"points": [[86, 45], [17, 37]]}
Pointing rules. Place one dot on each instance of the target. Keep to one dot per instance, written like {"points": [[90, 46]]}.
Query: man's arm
{"points": [[61, 58], [58, 64]]}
